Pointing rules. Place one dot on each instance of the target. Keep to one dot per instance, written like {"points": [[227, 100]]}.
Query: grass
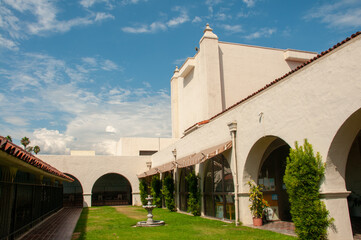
{"points": [[118, 222]]}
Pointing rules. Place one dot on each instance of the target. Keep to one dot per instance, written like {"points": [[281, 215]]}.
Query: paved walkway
{"points": [[288, 228], [59, 226], [283, 227]]}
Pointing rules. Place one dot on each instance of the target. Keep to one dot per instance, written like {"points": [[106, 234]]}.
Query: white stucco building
{"points": [[236, 111], [250, 104]]}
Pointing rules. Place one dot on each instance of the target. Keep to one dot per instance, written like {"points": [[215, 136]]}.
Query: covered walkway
{"points": [[59, 226]]}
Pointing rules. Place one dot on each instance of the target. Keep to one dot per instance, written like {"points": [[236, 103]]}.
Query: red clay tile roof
{"points": [[278, 79], [16, 151]]}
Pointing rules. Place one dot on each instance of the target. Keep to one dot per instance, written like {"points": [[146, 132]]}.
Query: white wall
{"points": [[223, 74], [132, 146], [87, 169], [312, 103]]}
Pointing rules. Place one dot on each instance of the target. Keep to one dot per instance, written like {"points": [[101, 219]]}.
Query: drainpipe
{"points": [[233, 129], [175, 176]]}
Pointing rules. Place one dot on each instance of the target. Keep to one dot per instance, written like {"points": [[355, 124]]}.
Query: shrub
{"points": [[168, 192], [258, 204], [194, 194], [143, 189], [303, 176], [156, 191]]}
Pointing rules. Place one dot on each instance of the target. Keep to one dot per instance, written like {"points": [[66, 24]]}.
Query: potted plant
{"points": [[258, 204]]}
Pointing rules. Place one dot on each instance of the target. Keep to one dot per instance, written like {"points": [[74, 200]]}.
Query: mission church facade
{"points": [[236, 111]]}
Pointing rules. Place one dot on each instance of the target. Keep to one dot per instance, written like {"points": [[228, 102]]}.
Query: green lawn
{"points": [[118, 222]]}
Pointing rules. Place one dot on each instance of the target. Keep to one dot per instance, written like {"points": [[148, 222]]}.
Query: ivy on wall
{"points": [[303, 176]]}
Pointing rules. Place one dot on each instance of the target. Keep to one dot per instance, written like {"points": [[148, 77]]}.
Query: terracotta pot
{"points": [[257, 221]]}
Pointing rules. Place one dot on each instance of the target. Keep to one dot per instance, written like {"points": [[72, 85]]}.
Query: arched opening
{"points": [[271, 172], [72, 193], [343, 168], [183, 188], [111, 190], [265, 164], [353, 180], [218, 191]]}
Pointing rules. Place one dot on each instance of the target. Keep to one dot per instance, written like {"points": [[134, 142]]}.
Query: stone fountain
{"points": [[150, 222]]}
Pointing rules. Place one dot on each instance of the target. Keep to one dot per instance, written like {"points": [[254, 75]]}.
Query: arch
{"points": [[338, 153], [72, 193], [343, 166], [265, 164], [257, 155], [111, 189]]}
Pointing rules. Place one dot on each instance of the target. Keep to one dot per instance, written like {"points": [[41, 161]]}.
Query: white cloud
{"points": [[110, 129], [182, 18], [232, 28], [15, 120], [108, 65], [196, 19], [43, 18], [345, 13], [90, 3], [85, 115], [100, 16], [160, 25], [152, 28], [249, 3], [211, 4], [87, 3], [51, 141], [263, 32], [90, 60], [9, 44]]}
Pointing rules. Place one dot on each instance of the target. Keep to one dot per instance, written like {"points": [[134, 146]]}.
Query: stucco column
{"points": [[245, 213], [233, 129], [87, 199], [136, 199], [336, 204]]}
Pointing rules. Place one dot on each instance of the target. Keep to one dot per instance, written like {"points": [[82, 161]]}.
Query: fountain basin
{"points": [[155, 223], [150, 222]]}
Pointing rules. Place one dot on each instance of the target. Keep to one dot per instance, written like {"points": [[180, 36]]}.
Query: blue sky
{"points": [[82, 74]]}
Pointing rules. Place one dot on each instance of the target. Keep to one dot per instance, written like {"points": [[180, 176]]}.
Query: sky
{"points": [[81, 74]]}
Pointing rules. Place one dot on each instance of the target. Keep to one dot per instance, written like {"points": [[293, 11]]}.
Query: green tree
{"points": [[9, 138], [25, 142], [143, 189], [29, 149], [156, 185], [303, 176], [168, 192], [194, 195], [36, 149]]}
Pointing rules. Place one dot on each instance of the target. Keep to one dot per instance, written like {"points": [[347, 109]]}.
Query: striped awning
{"points": [[190, 160]]}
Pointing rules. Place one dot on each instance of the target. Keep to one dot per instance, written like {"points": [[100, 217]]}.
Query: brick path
{"points": [[287, 228], [59, 226]]}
